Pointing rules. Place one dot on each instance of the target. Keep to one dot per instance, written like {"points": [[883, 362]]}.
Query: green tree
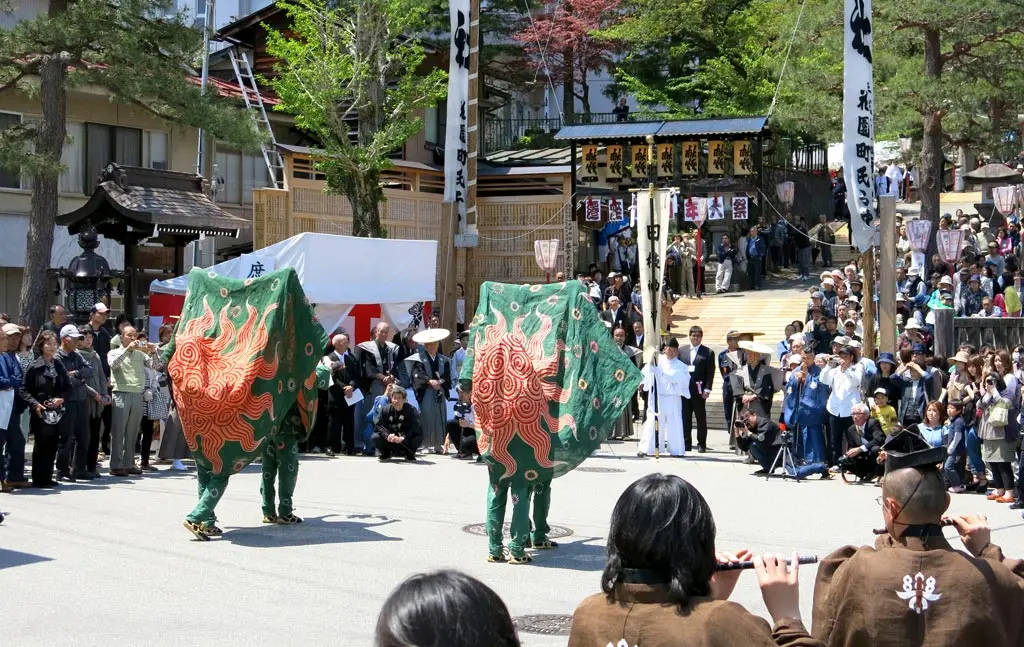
{"points": [[136, 50], [345, 60], [715, 57], [950, 74]]}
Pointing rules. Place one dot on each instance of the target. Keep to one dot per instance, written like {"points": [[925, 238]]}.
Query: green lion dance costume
{"points": [[547, 385], [243, 364]]}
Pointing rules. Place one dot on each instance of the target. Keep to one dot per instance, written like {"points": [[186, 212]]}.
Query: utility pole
{"points": [[207, 30], [197, 254]]}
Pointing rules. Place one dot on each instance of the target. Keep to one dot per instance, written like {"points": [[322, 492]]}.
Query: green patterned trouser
{"points": [[497, 499], [211, 489], [280, 463], [541, 505]]}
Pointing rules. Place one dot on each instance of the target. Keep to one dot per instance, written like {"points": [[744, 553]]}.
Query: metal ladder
{"points": [[254, 102]]}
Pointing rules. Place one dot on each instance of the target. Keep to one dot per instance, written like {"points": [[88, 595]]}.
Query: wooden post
{"points": [[450, 226], [887, 276], [945, 337], [869, 303]]}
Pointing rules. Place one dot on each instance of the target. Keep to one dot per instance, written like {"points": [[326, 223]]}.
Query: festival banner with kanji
{"points": [[593, 210], [456, 171], [716, 208], [716, 158], [639, 162], [590, 162], [695, 210], [666, 160], [616, 164], [859, 122], [742, 158], [690, 158], [616, 210], [739, 208]]}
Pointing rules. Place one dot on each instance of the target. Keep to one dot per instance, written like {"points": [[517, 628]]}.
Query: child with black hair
{"points": [[955, 447]]}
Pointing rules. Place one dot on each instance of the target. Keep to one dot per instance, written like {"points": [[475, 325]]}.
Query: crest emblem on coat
{"points": [[919, 592]]}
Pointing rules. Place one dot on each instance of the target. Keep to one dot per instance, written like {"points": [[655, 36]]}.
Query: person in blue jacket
{"points": [[755, 257], [804, 408], [10, 380], [372, 417]]}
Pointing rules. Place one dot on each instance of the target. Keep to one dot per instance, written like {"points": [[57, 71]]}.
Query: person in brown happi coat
{"points": [[660, 584], [912, 587]]}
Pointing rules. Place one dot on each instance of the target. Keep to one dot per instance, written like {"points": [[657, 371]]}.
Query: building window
{"points": [[156, 150], [431, 125], [9, 179], [72, 159], [105, 144], [200, 17], [240, 174]]}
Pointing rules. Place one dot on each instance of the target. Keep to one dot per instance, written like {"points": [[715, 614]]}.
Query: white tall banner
{"points": [[650, 302], [456, 145], [652, 236], [859, 121]]}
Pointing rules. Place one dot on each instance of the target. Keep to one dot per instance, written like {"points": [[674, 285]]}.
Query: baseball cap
{"points": [[817, 295], [794, 360], [71, 331], [11, 329], [101, 308]]}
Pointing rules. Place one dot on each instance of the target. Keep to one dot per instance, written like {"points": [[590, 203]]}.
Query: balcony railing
{"points": [[519, 134], [587, 118]]}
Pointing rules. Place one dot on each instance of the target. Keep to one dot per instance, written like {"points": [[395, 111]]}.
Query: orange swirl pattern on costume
{"points": [[512, 388], [214, 378]]}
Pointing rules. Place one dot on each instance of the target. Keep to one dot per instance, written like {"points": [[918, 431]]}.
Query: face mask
{"points": [[1016, 357]]}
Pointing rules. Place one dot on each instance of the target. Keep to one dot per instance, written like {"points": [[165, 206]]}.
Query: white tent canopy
{"points": [[341, 272]]}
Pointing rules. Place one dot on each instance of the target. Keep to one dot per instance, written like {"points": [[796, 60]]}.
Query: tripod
{"points": [[785, 458]]}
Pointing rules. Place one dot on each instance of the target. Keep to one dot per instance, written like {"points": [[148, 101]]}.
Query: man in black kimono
{"points": [[432, 381], [344, 381]]}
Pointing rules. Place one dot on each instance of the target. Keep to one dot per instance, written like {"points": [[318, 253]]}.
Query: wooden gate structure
{"points": [[514, 210]]}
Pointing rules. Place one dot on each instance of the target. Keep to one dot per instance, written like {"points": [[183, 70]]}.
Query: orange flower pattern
{"points": [[227, 368]]}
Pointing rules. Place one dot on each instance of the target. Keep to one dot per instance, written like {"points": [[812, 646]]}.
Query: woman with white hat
{"points": [[755, 379]]}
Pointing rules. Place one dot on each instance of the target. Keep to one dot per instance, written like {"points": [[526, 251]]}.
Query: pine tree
{"points": [[141, 53]]}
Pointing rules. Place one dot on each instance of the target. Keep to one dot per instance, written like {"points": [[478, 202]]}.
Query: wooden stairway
{"points": [[768, 311]]}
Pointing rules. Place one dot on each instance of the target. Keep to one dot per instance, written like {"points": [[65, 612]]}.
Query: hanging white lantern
{"points": [[1005, 198], [545, 252], [785, 191]]}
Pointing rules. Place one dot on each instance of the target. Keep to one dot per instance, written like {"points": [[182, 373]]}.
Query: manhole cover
{"points": [[556, 532], [548, 625], [600, 470]]}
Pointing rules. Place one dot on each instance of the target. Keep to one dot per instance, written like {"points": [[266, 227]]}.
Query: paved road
{"points": [[109, 563]]}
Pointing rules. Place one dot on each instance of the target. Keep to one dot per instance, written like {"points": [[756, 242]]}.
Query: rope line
{"points": [[785, 62], [558, 213], [808, 235]]}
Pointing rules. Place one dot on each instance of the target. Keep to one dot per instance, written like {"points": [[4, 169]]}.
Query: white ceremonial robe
{"points": [[673, 379]]}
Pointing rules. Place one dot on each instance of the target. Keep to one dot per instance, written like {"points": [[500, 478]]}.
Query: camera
{"points": [[462, 409], [845, 463]]}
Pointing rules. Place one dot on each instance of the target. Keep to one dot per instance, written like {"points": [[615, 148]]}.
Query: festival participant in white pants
{"points": [[726, 257], [673, 382]]}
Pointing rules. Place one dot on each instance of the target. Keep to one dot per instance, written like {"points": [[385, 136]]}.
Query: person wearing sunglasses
{"points": [[998, 430]]}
